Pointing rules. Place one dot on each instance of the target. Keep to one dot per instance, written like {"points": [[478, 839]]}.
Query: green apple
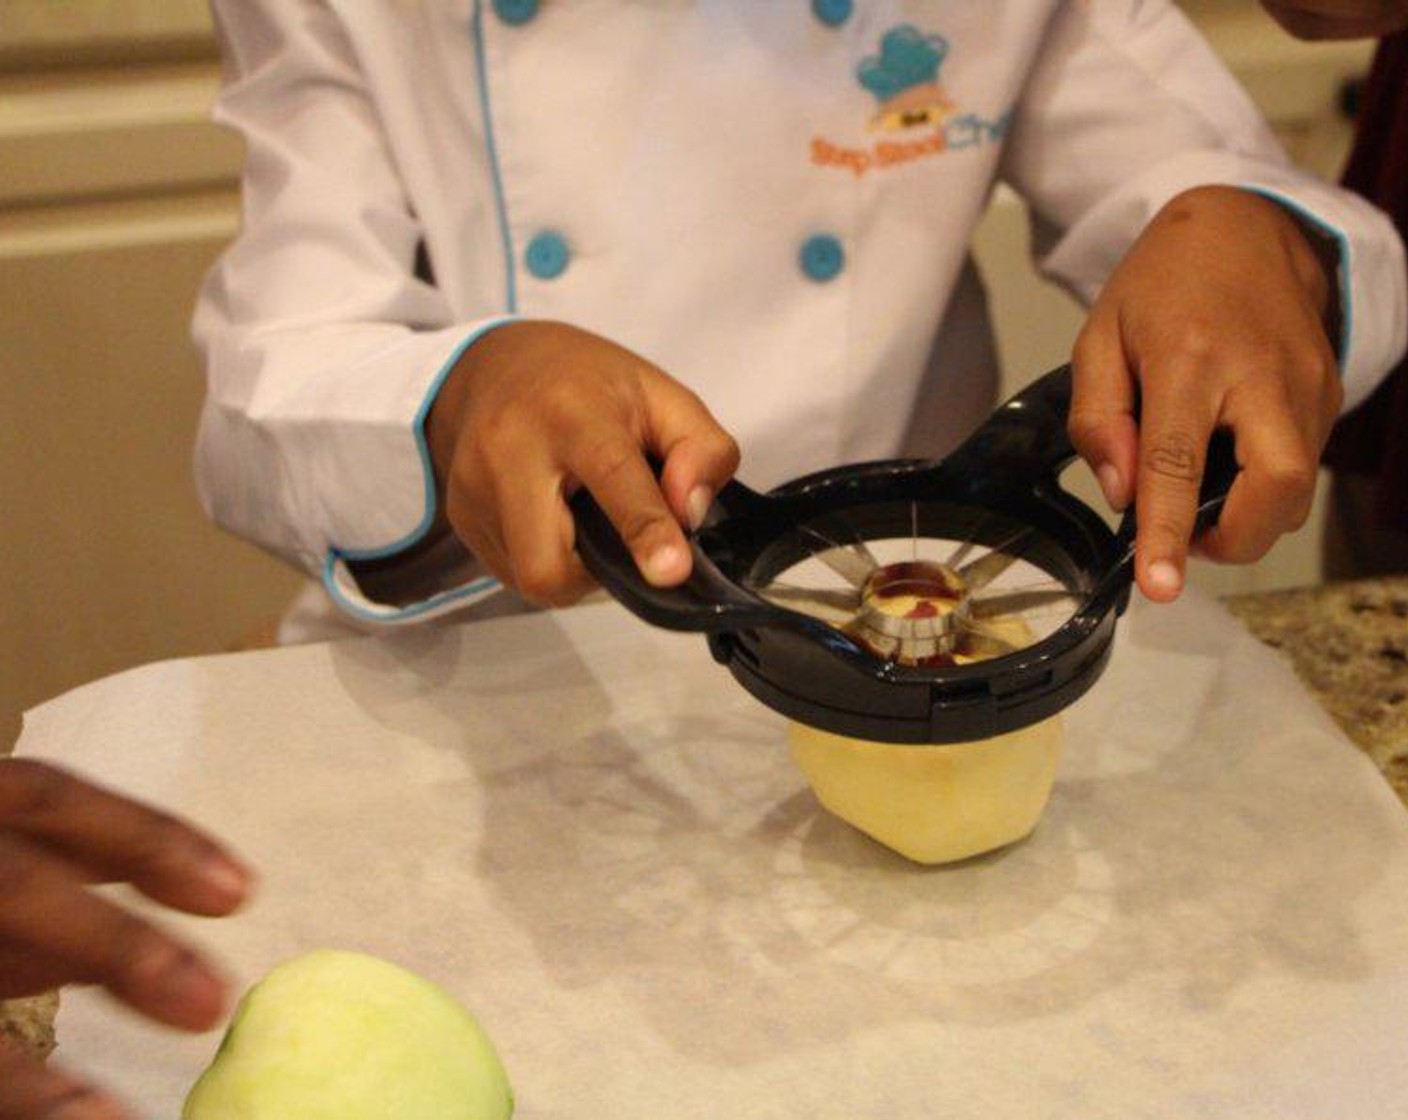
{"points": [[344, 1036]]}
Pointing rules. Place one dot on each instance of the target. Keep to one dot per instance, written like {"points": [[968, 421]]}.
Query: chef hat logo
{"points": [[907, 58]]}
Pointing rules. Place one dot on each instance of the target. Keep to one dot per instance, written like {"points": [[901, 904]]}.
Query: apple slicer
{"points": [[905, 601]]}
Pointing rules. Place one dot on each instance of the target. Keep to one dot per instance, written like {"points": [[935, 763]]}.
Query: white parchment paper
{"points": [[585, 830]]}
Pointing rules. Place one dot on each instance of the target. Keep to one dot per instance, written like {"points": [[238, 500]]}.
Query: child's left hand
{"points": [[1215, 318]]}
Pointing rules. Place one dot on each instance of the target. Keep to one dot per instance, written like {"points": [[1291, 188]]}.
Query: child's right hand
{"points": [[535, 409]]}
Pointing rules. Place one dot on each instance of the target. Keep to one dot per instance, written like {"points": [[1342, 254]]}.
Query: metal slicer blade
{"points": [[851, 560], [978, 573], [918, 611], [838, 606], [1020, 600]]}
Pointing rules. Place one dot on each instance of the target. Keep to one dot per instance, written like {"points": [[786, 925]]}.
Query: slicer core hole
{"points": [[912, 611], [914, 589], [922, 602]]}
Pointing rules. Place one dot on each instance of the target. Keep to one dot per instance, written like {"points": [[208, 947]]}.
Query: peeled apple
{"points": [[936, 804], [343, 1036]]}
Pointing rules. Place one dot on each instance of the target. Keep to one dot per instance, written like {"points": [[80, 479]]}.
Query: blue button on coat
{"points": [[833, 13], [822, 257], [516, 11], [547, 256]]}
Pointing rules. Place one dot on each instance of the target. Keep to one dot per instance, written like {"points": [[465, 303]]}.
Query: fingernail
{"points": [[664, 564], [1164, 576], [697, 505], [188, 985], [227, 877], [1111, 486], [187, 975]]}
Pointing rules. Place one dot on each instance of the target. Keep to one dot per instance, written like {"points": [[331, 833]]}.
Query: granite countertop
{"points": [[1348, 643]]}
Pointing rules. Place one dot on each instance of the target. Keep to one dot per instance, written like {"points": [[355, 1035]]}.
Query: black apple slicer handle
{"points": [[707, 601], [1027, 436], [1023, 442], [1023, 446]]}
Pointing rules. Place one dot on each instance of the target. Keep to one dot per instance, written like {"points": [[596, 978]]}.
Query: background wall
{"points": [[115, 194]]}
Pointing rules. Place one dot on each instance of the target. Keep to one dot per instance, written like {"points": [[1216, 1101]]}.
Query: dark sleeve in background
{"points": [[1373, 439]]}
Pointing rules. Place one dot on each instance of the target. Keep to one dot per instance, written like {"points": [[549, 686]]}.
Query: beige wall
{"points": [[114, 196]]}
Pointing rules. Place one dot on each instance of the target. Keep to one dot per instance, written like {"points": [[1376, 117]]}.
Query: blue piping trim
{"points": [[486, 114], [335, 555], [1346, 263], [480, 588], [416, 535]]}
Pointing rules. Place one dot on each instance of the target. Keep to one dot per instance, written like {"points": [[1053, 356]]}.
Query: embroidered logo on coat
{"points": [[914, 110], [904, 78]]}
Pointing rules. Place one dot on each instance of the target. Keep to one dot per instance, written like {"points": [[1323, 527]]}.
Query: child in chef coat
{"points": [[495, 251]]}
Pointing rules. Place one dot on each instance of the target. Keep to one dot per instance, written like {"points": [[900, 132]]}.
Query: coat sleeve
{"points": [[324, 350], [1128, 107]]}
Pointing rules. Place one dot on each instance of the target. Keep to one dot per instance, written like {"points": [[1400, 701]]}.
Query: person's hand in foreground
{"points": [[535, 409], [1339, 19], [1215, 318], [59, 835]]}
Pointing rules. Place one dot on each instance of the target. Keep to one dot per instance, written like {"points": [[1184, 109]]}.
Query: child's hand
{"points": [[1217, 318], [58, 835], [535, 409]]}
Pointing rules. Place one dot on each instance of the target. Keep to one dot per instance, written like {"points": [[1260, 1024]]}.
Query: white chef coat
{"points": [[769, 199]]}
